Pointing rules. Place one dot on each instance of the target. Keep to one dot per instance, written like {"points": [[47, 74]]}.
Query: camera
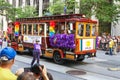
{"points": [[35, 69]]}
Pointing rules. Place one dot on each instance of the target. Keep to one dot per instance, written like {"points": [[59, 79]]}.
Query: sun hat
{"points": [[7, 53]]}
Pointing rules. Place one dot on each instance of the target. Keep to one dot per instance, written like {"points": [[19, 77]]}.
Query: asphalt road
{"points": [[95, 68], [56, 75]]}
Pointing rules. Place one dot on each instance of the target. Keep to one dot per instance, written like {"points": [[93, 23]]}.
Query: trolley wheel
{"points": [[21, 53], [57, 58], [81, 59], [30, 51]]}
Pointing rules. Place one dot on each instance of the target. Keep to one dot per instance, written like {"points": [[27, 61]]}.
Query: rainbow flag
{"points": [[17, 25], [51, 28]]}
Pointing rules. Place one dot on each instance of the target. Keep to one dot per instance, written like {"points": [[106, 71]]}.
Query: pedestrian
{"points": [[36, 52], [111, 44], [4, 43], [0, 43], [7, 59], [118, 38], [99, 42], [103, 43], [115, 45]]}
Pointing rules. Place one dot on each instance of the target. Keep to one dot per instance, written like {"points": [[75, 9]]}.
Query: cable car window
{"points": [[35, 29], [80, 29], [93, 30], [87, 29], [24, 29], [71, 28], [41, 29], [20, 29], [30, 29], [60, 28]]}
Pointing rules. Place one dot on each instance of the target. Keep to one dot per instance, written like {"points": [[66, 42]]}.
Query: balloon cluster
{"points": [[51, 29], [62, 41]]}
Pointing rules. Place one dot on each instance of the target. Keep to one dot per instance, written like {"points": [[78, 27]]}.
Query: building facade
{"points": [[39, 4]]}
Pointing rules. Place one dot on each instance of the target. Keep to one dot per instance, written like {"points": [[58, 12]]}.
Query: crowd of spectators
{"points": [[103, 42]]}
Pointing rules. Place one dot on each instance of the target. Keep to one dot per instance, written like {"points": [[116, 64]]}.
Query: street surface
{"points": [[56, 75], [95, 68]]}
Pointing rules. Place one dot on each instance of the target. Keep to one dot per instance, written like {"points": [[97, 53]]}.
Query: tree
{"points": [[71, 5], [27, 11], [57, 7], [106, 11], [4, 7], [12, 13]]}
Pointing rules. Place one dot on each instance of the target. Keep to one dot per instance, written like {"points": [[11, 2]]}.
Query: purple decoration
{"points": [[62, 41]]}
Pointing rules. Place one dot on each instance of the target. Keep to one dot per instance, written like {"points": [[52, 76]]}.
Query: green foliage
{"points": [[27, 11], [71, 6], [56, 7], [105, 10], [4, 6], [12, 13]]}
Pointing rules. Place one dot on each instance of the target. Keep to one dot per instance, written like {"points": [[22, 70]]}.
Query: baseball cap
{"points": [[7, 53]]}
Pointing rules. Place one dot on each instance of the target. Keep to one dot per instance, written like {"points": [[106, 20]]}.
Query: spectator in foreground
{"points": [[38, 71], [7, 59], [26, 76]]}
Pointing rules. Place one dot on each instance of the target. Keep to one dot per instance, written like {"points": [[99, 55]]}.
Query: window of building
{"points": [[14, 3], [27, 2], [45, 3], [20, 2], [35, 2]]}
